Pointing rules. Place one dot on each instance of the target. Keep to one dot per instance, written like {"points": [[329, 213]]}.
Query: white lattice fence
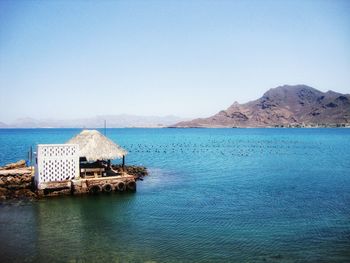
{"points": [[56, 162]]}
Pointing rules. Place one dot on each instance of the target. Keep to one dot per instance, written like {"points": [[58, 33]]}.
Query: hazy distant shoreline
{"points": [[112, 121], [179, 128], [287, 106]]}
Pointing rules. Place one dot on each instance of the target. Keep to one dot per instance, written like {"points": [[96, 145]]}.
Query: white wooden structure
{"points": [[56, 163]]}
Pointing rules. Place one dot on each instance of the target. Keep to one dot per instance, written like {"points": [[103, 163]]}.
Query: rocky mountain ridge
{"points": [[284, 106]]}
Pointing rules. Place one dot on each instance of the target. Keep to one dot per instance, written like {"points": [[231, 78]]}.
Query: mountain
{"points": [[3, 125], [284, 106], [112, 121]]}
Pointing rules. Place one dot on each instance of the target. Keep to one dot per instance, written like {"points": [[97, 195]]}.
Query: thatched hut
{"points": [[95, 146], [98, 150]]}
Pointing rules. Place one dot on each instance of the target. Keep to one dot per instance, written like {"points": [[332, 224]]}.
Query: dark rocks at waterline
{"points": [[137, 171], [23, 194], [17, 183]]}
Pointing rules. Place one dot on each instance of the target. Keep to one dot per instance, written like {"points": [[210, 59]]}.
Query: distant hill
{"points": [[283, 106], [113, 121], [3, 125]]}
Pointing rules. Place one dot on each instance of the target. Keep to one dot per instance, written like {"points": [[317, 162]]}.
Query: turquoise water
{"points": [[213, 195]]}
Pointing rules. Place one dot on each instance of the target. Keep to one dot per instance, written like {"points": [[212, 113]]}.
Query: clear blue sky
{"points": [[68, 59]]}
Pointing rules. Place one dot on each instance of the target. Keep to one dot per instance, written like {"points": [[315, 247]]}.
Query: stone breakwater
{"points": [[17, 180]]}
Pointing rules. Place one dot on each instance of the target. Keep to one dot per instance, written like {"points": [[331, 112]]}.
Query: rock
{"points": [[6, 194], [19, 164], [25, 193], [16, 171], [17, 182], [136, 171], [26, 179], [9, 179], [3, 193], [18, 186]]}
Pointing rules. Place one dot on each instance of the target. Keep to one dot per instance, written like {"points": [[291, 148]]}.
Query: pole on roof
{"points": [[31, 159], [105, 128]]}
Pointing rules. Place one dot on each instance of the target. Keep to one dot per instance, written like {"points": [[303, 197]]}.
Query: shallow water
{"points": [[213, 195]]}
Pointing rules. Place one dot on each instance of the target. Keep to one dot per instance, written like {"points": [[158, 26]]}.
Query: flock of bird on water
{"points": [[225, 147]]}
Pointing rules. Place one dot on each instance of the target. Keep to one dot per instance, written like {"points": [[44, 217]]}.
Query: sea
{"points": [[212, 195]]}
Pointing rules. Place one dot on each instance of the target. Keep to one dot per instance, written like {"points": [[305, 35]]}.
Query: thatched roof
{"points": [[95, 146]]}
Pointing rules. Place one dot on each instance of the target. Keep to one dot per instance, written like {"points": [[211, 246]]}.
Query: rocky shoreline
{"points": [[17, 180], [137, 171]]}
